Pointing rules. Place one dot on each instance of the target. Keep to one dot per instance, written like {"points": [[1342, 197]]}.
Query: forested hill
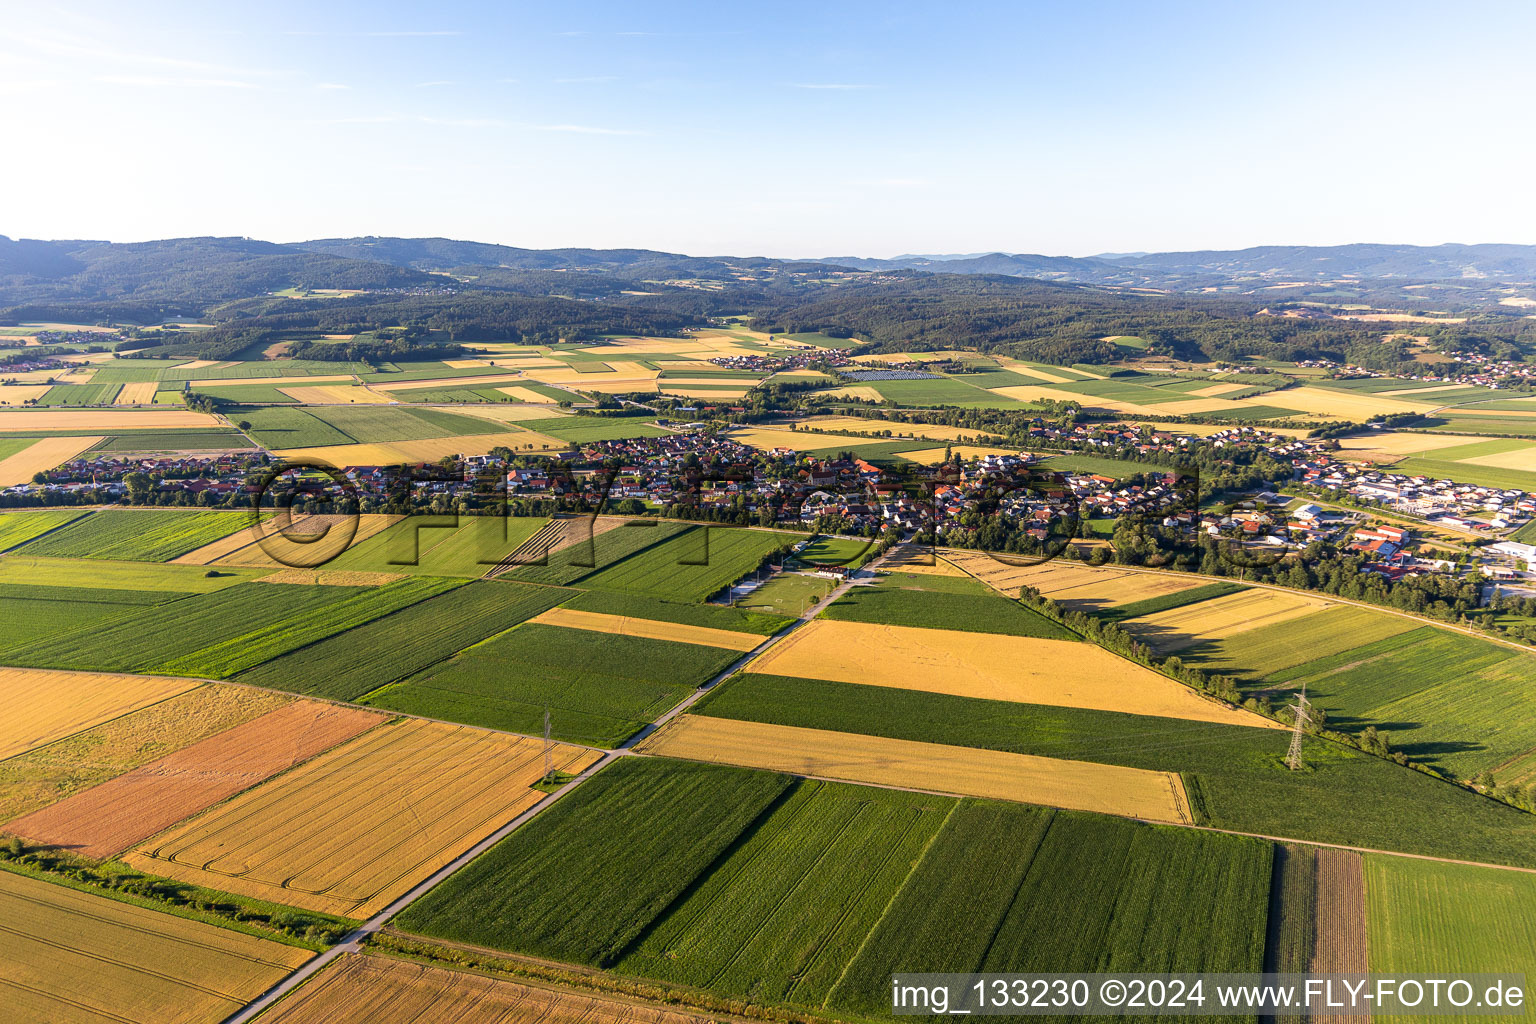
{"points": [[1267, 263], [177, 277]]}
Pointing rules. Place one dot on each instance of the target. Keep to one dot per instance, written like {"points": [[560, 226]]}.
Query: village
{"points": [[1399, 524]]}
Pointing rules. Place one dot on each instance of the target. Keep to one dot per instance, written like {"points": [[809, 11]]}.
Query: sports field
{"points": [[75, 958], [359, 989], [998, 667], [963, 771], [351, 830]]}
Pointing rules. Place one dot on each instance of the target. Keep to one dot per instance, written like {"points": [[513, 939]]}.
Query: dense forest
{"points": [[439, 292]]}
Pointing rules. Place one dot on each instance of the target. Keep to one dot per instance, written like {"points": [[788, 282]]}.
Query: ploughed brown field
{"points": [[111, 817]]}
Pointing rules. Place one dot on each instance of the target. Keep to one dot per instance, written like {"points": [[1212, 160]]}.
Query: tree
{"points": [[139, 485]]}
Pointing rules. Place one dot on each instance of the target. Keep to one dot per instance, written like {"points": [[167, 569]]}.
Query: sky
{"points": [[827, 128]]}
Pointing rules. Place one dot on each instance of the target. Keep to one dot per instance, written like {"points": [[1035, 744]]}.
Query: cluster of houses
{"points": [[779, 364]]}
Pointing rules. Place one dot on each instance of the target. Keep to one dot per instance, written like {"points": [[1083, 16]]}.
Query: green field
{"points": [[936, 610], [836, 551], [604, 550], [440, 545], [280, 427], [1433, 920], [1118, 469], [779, 918], [691, 566], [811, 894], [625, 846], [600, 688], [350, 664], [1514, 426], [175, 441], [1236, 775], [1262, 653], [150, 535], [17, 528], [1480, 476], [215, 635], [263, 368], [80, 394], [609, 602], [101, 574], [942, 391], [1457, 702], [582, 429], [787, 594], [373, 424]]}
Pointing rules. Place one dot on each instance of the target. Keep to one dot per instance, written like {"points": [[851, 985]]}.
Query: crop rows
{"points": [[1345, 796], [151, 535], [599, 687], [1164, 602], [81, 394], [583, 880], [351, 664], [610, 602], [219, 634], [1269, 652], [605, 549], [671, 570], [934, 610], [16, 528]]}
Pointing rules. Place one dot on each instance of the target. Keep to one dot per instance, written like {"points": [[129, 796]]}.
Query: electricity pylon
{"points": [[1293, 756]]}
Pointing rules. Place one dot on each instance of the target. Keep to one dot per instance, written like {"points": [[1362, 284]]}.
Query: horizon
{"points": [[906, 254], [861, 128]]}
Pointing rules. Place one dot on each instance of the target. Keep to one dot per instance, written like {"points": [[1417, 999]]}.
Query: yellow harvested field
{"points": [[1028, 670], [860, 425], [104, 420], [394, 453], [276, 382], [921, 559], [704, 393], [934, 456], [1042, 393], [335, 394], [1523, 459], [42, 705], [1424, 391], [21, 394], [624, 625], [73, 957], [1033, 371], [612, 387], [363, 989], [476, 380], [332, 578], [1394, 444], [964, 771], [197, 364], [1325, 402], [42, 454], [1086, 588], [460, 364], [1472, 410], [1219, 618], [289, 541], [526, 394], [351, 830], [797, 440], [1004, 577], [141, 393], [1216, 390], [570, 375], [668, 383], [863, 392], [508, 412]]}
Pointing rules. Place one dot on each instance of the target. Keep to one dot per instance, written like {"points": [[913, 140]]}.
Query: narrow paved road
{"points": [[353, 941]]}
